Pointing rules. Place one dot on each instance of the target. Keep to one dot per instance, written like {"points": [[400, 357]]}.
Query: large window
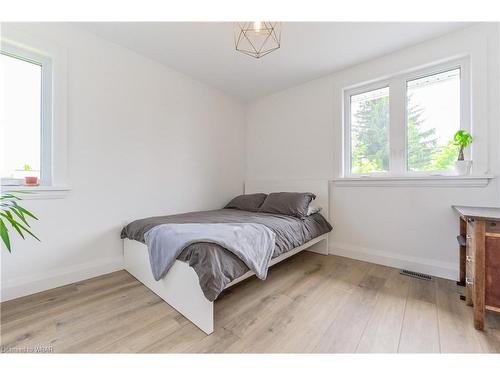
{"points": [[405, 124], [25, 115]]}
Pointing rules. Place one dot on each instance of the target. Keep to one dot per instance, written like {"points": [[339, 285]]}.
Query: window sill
{"points": [[418, 181], [39, 192]]}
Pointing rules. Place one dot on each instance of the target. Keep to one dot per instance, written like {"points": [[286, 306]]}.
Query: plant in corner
{"points": [[12, 213], [462, 139]]}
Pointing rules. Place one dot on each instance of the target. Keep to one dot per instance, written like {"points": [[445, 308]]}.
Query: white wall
{"points": [[143, 140], [297, 133]]}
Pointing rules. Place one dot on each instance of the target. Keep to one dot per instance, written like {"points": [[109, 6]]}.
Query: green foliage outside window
{"points": [[370, 140], [370, 137]]}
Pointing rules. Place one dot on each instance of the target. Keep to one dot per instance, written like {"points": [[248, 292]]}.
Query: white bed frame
{"points": [[180, 287]]}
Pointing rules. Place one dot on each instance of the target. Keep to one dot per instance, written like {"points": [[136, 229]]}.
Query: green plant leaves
{"points": [[19, 214], [15, 215], [7, 215], [4, 234], [9, 196], [462, 139], [25, 211]]}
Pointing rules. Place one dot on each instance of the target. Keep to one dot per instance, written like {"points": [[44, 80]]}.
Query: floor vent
{"points": [[418, 275]]}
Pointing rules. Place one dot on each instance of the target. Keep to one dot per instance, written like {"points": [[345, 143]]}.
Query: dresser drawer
{"points": [[492, 272], [493, 227]]}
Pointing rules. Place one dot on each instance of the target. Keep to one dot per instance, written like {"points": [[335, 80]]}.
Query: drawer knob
{"points": [[468, 237], [468, 258], [469, 281]]}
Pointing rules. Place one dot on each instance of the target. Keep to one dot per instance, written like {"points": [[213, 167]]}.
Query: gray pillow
{"points": [[291, 204], [247, 202]]}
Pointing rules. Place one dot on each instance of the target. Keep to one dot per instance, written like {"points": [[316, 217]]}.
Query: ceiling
{"points": [[205, 50]]}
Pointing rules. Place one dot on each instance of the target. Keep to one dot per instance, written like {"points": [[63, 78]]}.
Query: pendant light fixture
{"points": [[257, 38]]}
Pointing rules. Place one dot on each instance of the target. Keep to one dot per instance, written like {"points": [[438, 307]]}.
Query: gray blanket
{"points": [[252, 243], [215, 266]]}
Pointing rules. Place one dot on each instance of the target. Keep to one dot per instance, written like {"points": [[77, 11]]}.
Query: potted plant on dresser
{"points": [[462, 140]]}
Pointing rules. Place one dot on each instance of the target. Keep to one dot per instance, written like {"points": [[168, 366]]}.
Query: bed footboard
{"points": [[180, 287]]}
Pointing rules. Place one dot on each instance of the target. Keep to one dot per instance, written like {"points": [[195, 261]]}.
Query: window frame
{"points": [[46, 106], [398, 101]]}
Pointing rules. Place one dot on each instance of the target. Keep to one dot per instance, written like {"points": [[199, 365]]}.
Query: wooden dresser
{"points": [[479, 241]]}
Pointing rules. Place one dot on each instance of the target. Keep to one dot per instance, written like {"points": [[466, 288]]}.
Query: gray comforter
{"points": [[216, 267]]}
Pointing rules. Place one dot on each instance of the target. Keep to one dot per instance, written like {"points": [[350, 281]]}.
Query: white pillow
{"points": [[313, 209]]}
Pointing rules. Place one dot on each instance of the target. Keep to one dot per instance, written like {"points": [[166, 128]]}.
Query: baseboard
{"points": [[428, 266], [320, 247], [24, 286]]}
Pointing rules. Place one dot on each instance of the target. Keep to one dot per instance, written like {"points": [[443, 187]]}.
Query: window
{"points": [[370, 131], [25, 114], [405, 124], [432, 118]]}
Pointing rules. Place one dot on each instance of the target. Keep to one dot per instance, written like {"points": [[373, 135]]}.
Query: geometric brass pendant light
{"points": [[257, 38]]}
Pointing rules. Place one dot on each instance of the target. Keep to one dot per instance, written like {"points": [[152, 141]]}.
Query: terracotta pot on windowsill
{"points": [[31, 180]]}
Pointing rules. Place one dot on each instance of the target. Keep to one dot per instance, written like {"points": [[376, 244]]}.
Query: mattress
{"points": [[217, 267]]}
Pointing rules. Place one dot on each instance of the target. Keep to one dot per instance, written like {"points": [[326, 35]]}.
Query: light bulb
{"points": [[257, 26]]}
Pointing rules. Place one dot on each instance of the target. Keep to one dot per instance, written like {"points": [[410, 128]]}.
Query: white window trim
{"points": [[45, 63], [16, 38], [38, 192], [414, 181], [398, 105]]}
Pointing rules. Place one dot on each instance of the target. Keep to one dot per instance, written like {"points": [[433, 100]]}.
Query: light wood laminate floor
{"points": [[309, 303]]}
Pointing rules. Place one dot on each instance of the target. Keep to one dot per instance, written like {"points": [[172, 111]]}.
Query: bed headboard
{"points": [[318, 187]]}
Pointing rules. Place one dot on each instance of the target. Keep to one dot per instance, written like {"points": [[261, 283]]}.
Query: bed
{"points": [[203, 270]]}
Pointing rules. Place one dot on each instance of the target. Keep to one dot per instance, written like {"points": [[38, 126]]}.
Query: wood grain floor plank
{"points": [[138, 315], [344, 333], [420, 331], [307, 314], [490, 337], [46, 313], [299, 299], [383, 330], [64, 323], [452, 313], [42, 302]]}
